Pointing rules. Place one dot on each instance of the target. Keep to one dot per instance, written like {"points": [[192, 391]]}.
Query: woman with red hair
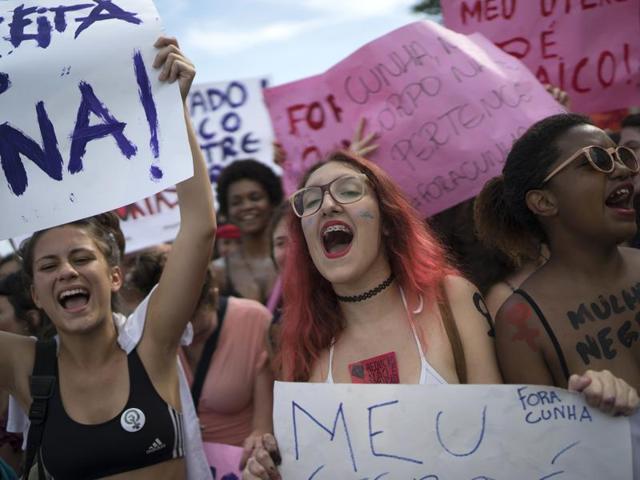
{"points": [[365, 278], [371, 298], [370, 295]]}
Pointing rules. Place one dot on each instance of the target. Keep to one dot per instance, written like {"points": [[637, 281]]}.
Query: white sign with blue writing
{"points": [[232, 123], [85, 126], [457, 432]]}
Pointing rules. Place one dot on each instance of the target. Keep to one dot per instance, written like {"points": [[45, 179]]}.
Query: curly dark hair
{"points": [[502, 217], [248, 170]]}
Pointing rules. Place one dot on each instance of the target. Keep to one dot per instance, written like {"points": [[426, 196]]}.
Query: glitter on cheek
{"points": [[366, 214]]}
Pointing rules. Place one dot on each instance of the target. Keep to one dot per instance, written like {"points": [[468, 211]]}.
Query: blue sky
{"points": [[284, 39]]}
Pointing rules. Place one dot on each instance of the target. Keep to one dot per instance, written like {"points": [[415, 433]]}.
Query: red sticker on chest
{"points": [[380, 369]]}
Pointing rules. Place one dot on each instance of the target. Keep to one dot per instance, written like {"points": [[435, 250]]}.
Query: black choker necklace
{"points": [[368, 294]]}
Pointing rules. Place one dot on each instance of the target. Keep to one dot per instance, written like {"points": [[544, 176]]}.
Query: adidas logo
{"points": [[155, 446]]}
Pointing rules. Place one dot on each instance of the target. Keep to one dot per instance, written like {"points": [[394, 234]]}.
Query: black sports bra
{"points": [[148, 431]]}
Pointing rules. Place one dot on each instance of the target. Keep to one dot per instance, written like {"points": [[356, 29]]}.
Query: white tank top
{"points": [[428, 374]]}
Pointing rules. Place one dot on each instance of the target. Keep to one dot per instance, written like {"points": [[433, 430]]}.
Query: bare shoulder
{"points": [[470, 311], [458, 288], [518, 319]]}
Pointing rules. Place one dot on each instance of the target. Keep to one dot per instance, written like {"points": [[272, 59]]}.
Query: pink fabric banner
{"points": [[223, 460], [447, 108], [589, 48]]}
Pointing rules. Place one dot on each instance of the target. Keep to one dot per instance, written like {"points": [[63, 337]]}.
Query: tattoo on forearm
{"points": [[481, 306], [604, 307]]}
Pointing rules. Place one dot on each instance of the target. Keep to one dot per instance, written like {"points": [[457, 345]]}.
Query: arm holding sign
{"points": [[173, 302], [522, 361], [262, 413]]}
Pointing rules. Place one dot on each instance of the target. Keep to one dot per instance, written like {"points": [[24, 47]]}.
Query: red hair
{"points": [[311, 316]]}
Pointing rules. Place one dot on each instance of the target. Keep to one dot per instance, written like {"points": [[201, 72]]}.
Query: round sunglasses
{"points": [[602, 159]]}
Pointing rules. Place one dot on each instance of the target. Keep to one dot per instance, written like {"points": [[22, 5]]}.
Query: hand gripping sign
{"points": [[85, 126], [446, 432], [446, 107]]}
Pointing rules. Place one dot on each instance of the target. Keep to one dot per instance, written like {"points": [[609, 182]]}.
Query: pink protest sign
{"points": [[224, 460], [589, 48], [447, 108]]}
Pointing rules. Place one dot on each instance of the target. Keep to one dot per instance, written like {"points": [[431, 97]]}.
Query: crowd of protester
{"points": [[316, 289]]}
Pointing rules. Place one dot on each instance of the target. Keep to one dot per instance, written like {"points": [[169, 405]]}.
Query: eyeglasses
{"points": [[602, 159], [344, 190]]}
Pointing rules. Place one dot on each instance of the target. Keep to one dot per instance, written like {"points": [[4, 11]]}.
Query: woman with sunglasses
{"points": [[565, 183], [369, 292]]}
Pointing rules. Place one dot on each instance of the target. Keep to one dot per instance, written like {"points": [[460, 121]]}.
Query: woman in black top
{"points": [[121, 410]]}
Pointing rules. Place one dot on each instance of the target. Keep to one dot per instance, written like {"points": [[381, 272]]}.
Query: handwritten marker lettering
{"points": [[150, 111], [22, 20], [14, 143], [546, 405], [84, 133]]}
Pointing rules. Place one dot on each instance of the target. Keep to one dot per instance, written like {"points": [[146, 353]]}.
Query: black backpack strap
{"points": [[207, 353], [41, 384]]}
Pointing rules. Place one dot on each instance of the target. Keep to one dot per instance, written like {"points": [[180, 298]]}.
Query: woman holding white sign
{"points": [[109, 413], [567, 185], [371, 297]]}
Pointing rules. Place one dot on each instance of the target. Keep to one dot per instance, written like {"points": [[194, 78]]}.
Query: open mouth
{"points": [[621, 198], [74, 299], [336, 239]]}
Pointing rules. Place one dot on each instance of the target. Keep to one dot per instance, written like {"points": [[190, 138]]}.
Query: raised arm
{"points": [[173, 302], [474, 326]]}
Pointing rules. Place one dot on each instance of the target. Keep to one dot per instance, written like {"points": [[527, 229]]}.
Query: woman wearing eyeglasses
{"points": [[565, 183]]}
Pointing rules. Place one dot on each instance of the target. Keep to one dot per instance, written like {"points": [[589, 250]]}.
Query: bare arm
{"points": [[174, 300], [262, 410], [518, 344], [474, 327]]}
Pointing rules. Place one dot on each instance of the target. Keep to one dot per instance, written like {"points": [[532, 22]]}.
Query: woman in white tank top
{"points": [[364, 285]]}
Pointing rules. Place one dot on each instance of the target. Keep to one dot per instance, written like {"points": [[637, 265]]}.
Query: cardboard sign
{"points": [[591, 49], [231, 123], [447, 108], [461, 432], [85, 126]]}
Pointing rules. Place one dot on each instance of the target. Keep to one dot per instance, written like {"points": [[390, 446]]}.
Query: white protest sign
{"points": [[231, 123], [85, 126], [150, 221], [458, 432]]}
